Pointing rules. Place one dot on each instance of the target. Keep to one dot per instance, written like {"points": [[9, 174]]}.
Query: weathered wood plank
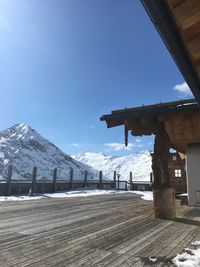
{"points": [[117, 230]]}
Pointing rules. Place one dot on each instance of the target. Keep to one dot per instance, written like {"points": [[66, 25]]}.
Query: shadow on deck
{"points": [[188, 215]]}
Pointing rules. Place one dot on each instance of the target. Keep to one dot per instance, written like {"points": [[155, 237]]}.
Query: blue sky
{"points": [[64, 63]]}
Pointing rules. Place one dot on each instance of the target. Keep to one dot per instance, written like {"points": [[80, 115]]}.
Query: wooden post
{"points": [[164, 203], [151, 177], [85, 178], [71, 178], [55, 172], [164, 196], [100, 180], [34, 181], [126, 188], [114, 179], [9, 180], [118, 184], [131, 181]]}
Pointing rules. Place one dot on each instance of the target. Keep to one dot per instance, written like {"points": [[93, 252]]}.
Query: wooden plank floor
{"points": [[110, 230]]}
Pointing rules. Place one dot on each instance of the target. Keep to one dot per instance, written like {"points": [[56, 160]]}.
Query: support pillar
{"points": [[164, 203], [164, 195]]}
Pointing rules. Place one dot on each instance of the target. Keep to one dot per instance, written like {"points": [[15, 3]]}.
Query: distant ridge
{"points": [[139, 164]]}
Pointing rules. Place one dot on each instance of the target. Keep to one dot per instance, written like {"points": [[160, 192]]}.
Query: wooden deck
{"points": [[109, 230]]}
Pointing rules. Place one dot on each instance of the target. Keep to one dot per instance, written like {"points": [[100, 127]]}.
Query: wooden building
{"points": [[175, 124], [177, 172], [178, 23]]}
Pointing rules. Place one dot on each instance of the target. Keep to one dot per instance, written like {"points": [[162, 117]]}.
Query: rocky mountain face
{"points": [[139, 164], [23, 148]]}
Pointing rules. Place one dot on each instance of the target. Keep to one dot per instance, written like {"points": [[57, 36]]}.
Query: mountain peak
{"points": [[24, 148], [23, 128]]}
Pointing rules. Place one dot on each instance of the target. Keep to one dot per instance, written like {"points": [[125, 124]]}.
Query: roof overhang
{"points": [[178, 23], [179, 118], [121, 116]]}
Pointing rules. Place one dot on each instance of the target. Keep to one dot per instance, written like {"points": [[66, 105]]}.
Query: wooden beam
{"points": [[174, 3], [187, 13], [198, 70], [183, 128], [194, 47], [142, 126], [191, 33], [114, 123]]}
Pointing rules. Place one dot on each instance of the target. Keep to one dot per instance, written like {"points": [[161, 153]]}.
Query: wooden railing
{"points": [[9, 186]]}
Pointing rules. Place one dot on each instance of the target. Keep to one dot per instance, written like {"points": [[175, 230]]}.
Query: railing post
{"points": [[100, 180], [114, 179], [118, 183], [131, 181], [151, 177], [126, 188], [34, 181], [85, 178], [55, 172], [71, 178], [9, 180]]}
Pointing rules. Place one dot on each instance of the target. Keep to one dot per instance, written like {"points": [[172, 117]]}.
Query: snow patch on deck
{"points": [[146, 195], [191, 257]]}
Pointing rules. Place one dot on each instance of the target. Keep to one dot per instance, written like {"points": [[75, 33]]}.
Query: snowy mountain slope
{"points": [[23, 148], [139, 164]]}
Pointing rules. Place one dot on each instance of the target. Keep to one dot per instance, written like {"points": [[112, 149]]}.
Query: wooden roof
{"points": [[180, 118], [119, 117], [178, 23]]}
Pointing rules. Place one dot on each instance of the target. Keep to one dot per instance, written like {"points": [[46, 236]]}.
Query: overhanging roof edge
{"points": [[165, 25], [152, 110]]}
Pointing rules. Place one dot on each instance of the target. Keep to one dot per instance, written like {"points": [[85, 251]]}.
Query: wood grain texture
{"points": [[109, 230]]}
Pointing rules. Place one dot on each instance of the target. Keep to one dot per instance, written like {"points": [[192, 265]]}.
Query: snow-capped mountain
{"points": [[139, 164], [23, 148]]}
